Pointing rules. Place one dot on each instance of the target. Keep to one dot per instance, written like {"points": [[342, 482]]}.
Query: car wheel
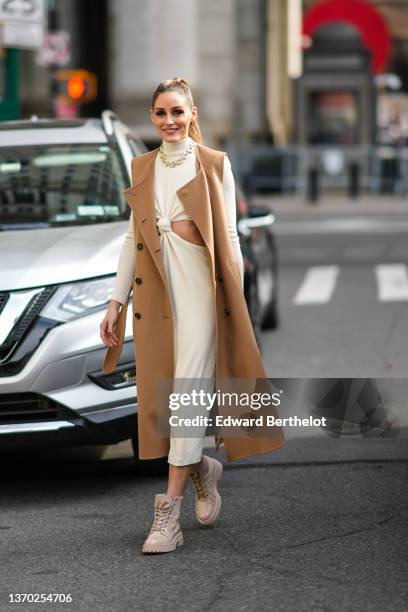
{"points": [[148, 467], [268, 285], [254, 308], [271, 317]]}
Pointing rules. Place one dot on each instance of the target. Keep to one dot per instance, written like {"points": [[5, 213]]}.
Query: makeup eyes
{"points": [[177, 112]]}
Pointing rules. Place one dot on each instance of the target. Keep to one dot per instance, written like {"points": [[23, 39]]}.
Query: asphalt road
{"points": [[359, 326], [316, 526], [320, 525]]}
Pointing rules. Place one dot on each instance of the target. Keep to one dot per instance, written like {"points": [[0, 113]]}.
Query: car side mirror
{"points": [[258, 217]]}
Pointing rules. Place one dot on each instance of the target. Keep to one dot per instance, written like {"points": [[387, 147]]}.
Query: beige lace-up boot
{"points": [[208, 500], [165, 534]]}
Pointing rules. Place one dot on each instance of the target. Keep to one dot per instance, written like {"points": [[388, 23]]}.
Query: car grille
{"points": [[26, 330], [29, 407]]}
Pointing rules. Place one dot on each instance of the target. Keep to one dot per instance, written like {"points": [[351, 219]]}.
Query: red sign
{"points": [[363, 16]]}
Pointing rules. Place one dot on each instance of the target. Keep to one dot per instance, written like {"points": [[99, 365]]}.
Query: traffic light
{"points": [[79, 86]]}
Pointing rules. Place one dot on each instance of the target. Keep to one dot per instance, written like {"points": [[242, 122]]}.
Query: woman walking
{"points": [[182, 235]]}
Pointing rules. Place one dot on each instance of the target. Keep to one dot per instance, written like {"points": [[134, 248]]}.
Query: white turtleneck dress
{"points": [[189, 282]]}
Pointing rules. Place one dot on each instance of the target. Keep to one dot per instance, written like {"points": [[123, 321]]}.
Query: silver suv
{"points": [[62, 220]]}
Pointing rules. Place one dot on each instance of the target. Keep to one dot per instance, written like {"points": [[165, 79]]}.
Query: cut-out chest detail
{"points": [[184, 228]]}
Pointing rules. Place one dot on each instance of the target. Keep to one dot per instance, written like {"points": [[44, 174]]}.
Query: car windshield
{"points": [[55, 185]]}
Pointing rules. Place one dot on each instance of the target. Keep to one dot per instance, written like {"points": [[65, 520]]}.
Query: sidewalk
{"points": [[366, 204]]}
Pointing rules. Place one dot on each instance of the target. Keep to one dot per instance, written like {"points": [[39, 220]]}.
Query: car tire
{"points": [[148, 467], [254, 307], [271, 317]]}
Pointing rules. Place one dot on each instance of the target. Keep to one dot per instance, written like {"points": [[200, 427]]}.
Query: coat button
{"points": [[227, 311], [219, 276], [138, 280], [138, 315], [140, 246]]}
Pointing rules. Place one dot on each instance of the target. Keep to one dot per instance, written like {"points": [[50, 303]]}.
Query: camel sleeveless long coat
{"points": [[237, 353]]}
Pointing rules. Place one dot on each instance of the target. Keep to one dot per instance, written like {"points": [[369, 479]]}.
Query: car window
{"points": [[135, 146], [61, 185]]}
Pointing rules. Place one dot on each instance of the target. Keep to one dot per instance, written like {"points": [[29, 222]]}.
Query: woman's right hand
{"points": [[108, 324]]}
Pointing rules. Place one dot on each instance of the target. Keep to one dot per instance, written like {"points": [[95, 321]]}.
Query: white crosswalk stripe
{"points": [[392, 282], [317, 286], [319, 283]]}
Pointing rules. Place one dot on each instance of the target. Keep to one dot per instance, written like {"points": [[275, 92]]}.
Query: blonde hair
{"points": [[180, 85]]}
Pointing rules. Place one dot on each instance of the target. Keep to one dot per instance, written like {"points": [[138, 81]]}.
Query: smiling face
{"points": [[171, 115]]}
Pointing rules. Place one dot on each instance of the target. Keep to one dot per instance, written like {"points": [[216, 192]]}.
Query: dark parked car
{"points": [[259, 249]]}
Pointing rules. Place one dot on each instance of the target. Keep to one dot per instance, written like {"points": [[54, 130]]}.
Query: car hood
{"points": [[48, 256]]}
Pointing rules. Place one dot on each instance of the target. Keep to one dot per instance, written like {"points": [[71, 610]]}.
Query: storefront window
{"points": [[333, 118]]}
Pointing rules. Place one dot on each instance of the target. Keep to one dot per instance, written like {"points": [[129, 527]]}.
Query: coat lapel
{"points": [[193, 196], [141, 200]]}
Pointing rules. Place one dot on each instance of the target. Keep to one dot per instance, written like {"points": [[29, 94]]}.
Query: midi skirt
{"points": [[189, 283]]}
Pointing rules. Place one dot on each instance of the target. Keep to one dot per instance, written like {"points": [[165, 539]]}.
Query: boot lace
{"points": [[161, 516], [200, 483]]}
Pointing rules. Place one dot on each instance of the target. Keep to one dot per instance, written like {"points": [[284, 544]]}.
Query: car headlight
{"points": [[79, 299]]}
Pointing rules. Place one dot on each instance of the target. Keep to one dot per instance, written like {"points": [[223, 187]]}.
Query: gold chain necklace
{"points": [[172, 164]]}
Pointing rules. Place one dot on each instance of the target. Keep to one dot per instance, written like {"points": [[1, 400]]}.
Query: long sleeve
{"points": [[231, 210], [126, 265]]}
